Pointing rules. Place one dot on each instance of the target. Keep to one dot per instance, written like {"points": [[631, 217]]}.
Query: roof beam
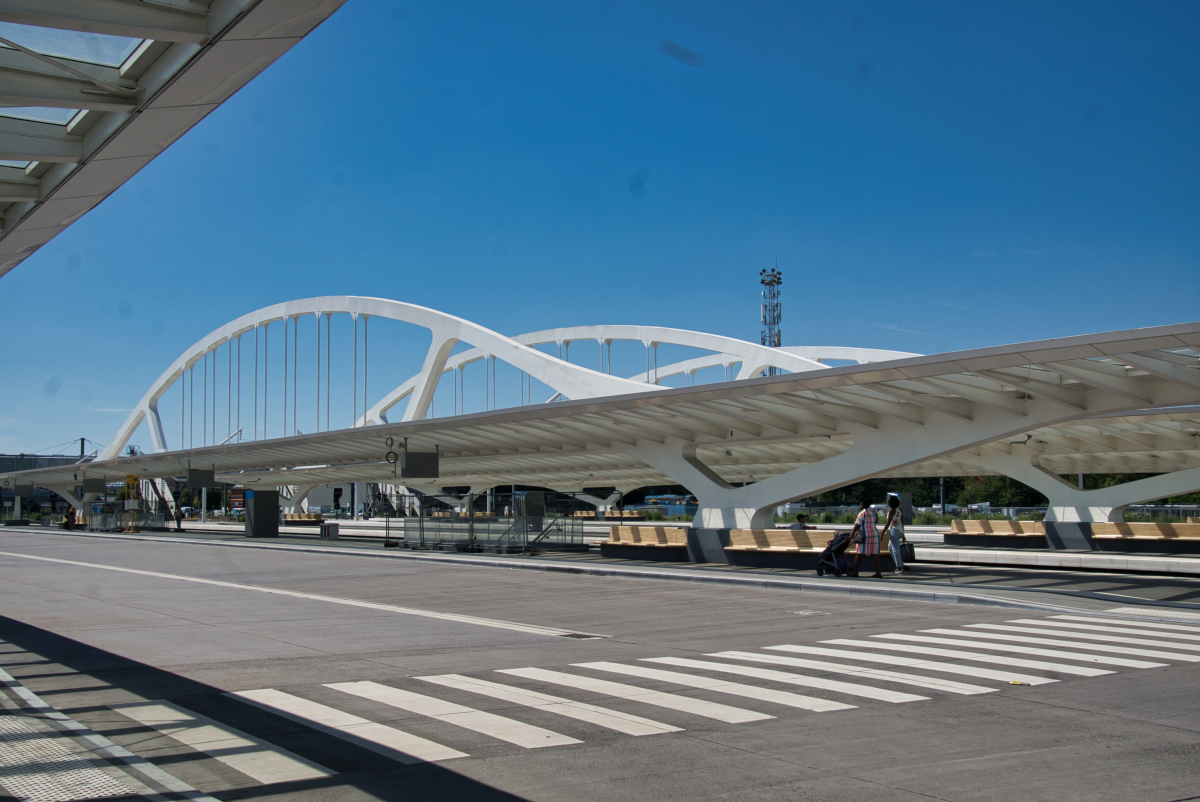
{"points": [[111, 17], [18, 191], [30, 141], [1169, 366], [30, 87], [860, 396], [1103, 377], [992, 398]]}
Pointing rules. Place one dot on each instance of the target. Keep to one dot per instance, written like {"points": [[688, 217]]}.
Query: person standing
{"points": [[894, 526], [178, 518], [867, 537], [70, 519]]}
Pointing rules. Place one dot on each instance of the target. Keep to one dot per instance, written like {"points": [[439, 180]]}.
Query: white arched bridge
{"points": [[744, 443]]}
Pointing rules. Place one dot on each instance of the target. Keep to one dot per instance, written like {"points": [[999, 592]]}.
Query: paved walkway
{"points": [[310, 672], [1050, 589]]}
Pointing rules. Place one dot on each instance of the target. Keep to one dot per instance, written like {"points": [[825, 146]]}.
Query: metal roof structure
{"points": [[1115, 402], [92, 90]]}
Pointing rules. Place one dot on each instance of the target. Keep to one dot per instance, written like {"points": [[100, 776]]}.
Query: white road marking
{"points": [[933, 683], [1094, 647], [251, 756], [977, 657], [671, 701], [1070, 633], [295, 594], [917, 662], [600, 716], [389, 741], [1152, 624], [732, 688], [106, 747], [1133, 627], [851, 688], [499, 727], [962, 641]]}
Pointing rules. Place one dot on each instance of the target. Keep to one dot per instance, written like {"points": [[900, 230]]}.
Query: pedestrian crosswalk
{"points": [[423, 718]]}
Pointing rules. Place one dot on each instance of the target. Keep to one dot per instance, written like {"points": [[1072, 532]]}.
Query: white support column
{"points": [[1070, 504], [67, 495], [300, 498]]}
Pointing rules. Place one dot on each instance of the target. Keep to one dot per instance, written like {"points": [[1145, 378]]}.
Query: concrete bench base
{"points": [[1139, 545], [996, 541], [649, 551]]}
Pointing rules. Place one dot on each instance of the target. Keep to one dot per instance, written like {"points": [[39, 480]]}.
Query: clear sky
{"points": [[931, 177]]}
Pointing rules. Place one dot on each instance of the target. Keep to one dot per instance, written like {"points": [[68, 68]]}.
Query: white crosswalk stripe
{"points": [[933, 683], [592, 714], [671, 701], [805, 680], [1095, 647], [735, 688], [1126, 622], [961, 639], [1080, 646], [1085, 636], [1139, 630], [499, 727], [389, 741], [251, 756], [1002, 675], [978, 657]]}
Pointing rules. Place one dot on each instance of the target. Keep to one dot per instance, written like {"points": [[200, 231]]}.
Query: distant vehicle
{"points": [[983, 506]]}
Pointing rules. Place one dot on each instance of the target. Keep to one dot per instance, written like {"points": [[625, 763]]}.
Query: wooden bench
{"points": [[646, 542], [798, 549], [1146, 531], [648, 536], [1013, 528], [1193, 519], [996, 534], [302, 519], [782, 540]]}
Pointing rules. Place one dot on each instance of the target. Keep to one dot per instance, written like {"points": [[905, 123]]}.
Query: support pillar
{"points": [[1071, 511]]}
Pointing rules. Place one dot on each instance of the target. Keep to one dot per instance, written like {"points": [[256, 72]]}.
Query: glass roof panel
{"points": [[96, 48], [41, 114], [6, 163]]}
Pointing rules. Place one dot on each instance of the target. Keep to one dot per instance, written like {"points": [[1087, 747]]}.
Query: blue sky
{"points": [[930, 176]]}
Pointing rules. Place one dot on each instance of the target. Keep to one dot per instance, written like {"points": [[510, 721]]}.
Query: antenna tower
{"points": [[772, 311]]}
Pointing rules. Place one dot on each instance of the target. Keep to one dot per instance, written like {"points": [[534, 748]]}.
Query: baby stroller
{"points": [[832, 559]]}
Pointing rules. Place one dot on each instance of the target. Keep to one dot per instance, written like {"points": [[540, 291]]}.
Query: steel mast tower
{"points": [[772, 312]]}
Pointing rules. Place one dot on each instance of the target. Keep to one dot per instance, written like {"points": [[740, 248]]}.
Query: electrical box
{"points": [[24, 491], [132, 504], [94, 485], [198, 478], [535, 504], [419, 465], [262, 513]]}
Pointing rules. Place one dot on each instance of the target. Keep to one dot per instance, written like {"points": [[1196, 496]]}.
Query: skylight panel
{"points": [[41, 114], [96, 48]]}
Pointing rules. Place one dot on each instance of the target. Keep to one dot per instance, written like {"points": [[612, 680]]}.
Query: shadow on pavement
{"points": [[361, 773]]}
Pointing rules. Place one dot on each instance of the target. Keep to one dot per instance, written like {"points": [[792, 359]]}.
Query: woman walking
{"points": [[867, 537], [894, 526]]}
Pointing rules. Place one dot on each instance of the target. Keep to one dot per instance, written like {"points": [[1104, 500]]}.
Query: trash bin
{"points": [[329, 530]]}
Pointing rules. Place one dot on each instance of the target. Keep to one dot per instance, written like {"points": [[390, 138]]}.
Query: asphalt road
{"points": [[215, 664]]}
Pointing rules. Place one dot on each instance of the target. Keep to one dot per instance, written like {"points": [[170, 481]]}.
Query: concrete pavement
{"points": [[458, 661]]}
